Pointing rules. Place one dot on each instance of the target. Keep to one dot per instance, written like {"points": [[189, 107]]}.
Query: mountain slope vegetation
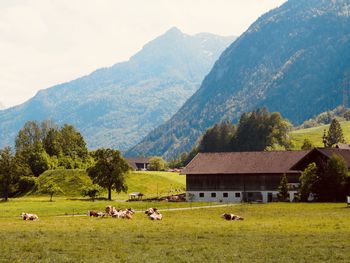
{"points": [[291, 60], [117, 106]]}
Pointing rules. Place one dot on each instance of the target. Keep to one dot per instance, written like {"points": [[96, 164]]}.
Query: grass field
{"points": [[315, 135], [147, 182], [278, 232]]}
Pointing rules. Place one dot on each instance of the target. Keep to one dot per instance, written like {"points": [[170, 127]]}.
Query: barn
{"points": [[249, 176], [138, 163]]}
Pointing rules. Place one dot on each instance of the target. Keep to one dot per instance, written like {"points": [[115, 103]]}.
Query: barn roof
{"points": [[244, 162], [134, 160], [345, 153]]}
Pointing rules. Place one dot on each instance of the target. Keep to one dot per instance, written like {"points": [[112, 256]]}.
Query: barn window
{"points": [[225, 195], [213, 194], [237, 195], [201, 195]]}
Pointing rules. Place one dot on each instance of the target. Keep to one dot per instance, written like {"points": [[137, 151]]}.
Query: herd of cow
{"points": [[152, 214]]}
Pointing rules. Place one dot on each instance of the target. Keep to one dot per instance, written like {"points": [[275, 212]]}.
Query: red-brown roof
{"points": [[341, 152], [244, 162]]}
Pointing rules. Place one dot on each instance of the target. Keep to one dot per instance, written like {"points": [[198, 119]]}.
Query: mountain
{"points": [[291, 60], [117, 106]]}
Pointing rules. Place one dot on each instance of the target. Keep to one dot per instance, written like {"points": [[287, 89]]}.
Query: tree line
{"points": [[40, 146]]}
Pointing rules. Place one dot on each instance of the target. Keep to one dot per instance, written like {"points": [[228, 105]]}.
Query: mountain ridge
{"points": [[116, 106], [276, 63]]}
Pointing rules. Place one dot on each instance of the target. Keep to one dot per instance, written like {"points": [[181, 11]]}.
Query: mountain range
{"points": [[117, 106], [292, 60]]}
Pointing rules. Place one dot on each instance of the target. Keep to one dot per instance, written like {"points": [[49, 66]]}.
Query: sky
{"points": [[47, 42]]}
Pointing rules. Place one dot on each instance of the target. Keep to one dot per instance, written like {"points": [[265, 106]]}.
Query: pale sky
{"points": [[47, 42]]}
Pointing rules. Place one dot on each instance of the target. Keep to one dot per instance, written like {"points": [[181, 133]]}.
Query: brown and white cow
{"points": [[27, 216], [228, 216], [151, 210], [95, 213], [110, 210]]}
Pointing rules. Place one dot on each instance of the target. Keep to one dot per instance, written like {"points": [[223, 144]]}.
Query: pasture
{"points": [[150, 183], [278, 232], [315, 135]]}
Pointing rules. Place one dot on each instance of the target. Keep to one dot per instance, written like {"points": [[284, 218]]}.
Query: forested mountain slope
{"points": [[291, 60]]}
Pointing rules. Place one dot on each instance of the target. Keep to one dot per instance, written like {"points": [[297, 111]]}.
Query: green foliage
{"points": [[261, 130], [44, 146], [347, 115], [326, 117], [283, 193], [334, 135], [9, 173], [157, 164], [50, 188], [331, 181], [109, 171], [217, 138], [92, 191], [307, 181], [26, 184], [307, 145]]}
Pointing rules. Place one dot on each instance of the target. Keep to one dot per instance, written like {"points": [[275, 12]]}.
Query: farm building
{"points": [[249, 176], [138, 163]]}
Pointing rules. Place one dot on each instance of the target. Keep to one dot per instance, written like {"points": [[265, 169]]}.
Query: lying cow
{"points": [[27, 216], [126, 213], [156, 216], [231, 217], [150, 211], [110, 210], [95, 214], [153, 214]]}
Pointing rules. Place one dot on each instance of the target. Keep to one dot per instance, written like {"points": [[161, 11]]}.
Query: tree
{"points": [[347, 115], [217, 138], [50, 188], [283, 193], [334, 135], [109, 171], [307, 180], [92, 191], [307, 145], [330, 183], [8, 172], [261, 130], [157, 164]]}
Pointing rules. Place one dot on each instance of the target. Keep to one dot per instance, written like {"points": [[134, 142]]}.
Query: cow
{"points": [[155, 216], [150, 211], [110, 210], [27, 216], [95, 214], [228, 216]]}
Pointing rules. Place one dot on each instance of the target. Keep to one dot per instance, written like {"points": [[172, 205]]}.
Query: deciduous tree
{"points": [[109, 171]]}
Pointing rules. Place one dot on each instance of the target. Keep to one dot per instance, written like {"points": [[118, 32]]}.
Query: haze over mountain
{"points": [[117, 106], [291, 60]]}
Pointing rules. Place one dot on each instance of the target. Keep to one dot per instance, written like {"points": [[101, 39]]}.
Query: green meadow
{"points": [[315, 135], [151, 184], [276, 232]]}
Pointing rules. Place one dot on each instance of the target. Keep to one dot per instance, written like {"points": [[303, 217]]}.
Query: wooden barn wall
{"points": [[237, 182]]}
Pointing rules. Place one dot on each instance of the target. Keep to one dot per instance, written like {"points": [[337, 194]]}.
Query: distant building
{"points": [[138, 163], [249, 176]]}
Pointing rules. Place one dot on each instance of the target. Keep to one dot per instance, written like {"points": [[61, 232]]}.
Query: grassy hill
{"points": [[315, 134], [149, 183]]}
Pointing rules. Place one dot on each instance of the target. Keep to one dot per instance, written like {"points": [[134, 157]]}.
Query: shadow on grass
{"points": [[88, 199]]}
